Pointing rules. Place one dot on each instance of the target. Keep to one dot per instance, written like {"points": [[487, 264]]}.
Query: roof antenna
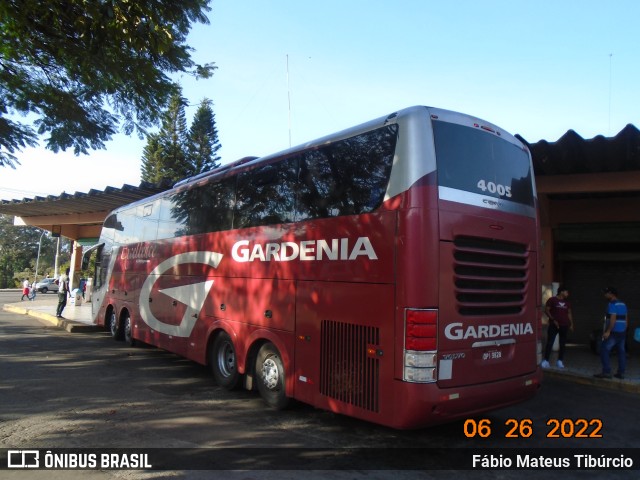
{"points": [[289, 100], [610, 88]]}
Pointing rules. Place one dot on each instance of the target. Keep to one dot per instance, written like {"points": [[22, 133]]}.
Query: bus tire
{"points": [[223, 361], [127, 330], [270, 377], [114, 327]]}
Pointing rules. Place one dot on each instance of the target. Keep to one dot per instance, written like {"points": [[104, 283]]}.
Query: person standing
{"points": [[614, 334], [63, 293], [558, 310]]}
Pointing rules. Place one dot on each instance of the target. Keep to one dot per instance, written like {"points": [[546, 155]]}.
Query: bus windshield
{"points": [[483, 164]]}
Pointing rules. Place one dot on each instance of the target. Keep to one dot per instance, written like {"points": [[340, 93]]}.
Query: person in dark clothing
{"points": [[63, 293], [558, 310]]}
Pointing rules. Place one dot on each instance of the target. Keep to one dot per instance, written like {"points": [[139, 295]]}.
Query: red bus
{"points": [[388, 272]]}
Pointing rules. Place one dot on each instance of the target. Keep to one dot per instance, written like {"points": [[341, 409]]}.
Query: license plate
{"points": [[492, 355]]}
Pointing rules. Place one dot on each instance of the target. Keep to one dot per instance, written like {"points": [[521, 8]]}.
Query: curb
{"points": [[68, 325], [610, 384]]}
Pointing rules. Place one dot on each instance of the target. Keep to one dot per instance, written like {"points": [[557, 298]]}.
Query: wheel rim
{"points": [[113, 324], [270, 373], [226, 360], [127, 328]]}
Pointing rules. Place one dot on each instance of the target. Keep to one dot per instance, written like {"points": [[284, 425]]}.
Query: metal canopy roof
{"points": [[571, 154], [79, 202]]}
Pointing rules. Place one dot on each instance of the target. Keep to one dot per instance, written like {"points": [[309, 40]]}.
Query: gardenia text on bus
{"points": [[335, 249]]}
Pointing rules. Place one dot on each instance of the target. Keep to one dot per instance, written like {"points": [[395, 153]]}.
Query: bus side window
{"points": [[346, 177], [146, 222], [170, 222], [205, 208], [266, 195]]}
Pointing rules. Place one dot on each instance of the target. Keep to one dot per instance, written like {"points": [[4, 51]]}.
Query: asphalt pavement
{"points": [[580, 361], [68, 390]]}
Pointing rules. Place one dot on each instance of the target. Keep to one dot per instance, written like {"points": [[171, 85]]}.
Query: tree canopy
{"points": [[203, 142], [175, 153], [19, 252], [79, 71]]}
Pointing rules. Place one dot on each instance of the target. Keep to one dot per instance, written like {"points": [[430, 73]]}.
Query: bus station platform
{"points": [[75, 318], [581, 363]]}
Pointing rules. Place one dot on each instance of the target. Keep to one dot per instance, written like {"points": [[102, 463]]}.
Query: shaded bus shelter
{"points": [[77, 216], [589, 194]]}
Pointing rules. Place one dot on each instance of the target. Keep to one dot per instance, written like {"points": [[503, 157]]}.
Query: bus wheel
{"points": [[223, 362], [128, 334], [114, 328], [270, 377]]}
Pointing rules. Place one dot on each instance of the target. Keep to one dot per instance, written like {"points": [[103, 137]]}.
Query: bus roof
{"points": [[394, 117]]}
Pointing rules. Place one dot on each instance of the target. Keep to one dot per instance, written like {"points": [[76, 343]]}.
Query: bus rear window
{"points": [[482, 163]]}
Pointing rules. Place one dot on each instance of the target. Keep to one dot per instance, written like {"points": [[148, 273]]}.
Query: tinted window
{"points": [[124, 226], [347, 177], [266, 195], [168, 225], [206, 208], [109, 227], [146, 227], [483, 163]]}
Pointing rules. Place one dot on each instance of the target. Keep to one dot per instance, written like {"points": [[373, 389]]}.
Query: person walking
{"points": [[25, 289], [63, 293], [558, 310], [614, 334]]}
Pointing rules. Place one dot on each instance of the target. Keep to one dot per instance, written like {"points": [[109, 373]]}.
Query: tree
{"points": [[173, 138], [19, 251], [165, 155], [174, 153], [80, 70], [203, 140], [152, 160]]}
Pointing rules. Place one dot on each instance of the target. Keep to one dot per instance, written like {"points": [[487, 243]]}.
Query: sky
{"points": [[290, 71]]}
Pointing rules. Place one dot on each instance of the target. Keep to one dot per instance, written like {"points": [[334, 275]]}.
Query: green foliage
{"points": [[152, 160], [175, 153], [203, 141], [173, 139], [164, 157], [19, 252], [83, 69]]}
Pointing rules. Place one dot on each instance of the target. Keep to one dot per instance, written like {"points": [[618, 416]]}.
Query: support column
{"points": [[76, 265]]}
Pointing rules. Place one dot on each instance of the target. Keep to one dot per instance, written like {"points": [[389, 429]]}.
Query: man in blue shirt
{"points": [[614, 334]]}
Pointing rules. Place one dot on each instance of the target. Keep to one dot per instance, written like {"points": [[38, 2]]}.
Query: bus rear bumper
{"points": [[421, 405]]}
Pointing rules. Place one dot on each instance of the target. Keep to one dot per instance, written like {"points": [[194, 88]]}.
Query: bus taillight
{"points": [[420, 343]]}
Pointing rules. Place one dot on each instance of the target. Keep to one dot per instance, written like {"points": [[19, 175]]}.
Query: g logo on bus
{"points": [[192, 295]]}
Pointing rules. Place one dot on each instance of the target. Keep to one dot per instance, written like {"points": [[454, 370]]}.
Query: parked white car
{"points": [[47, 285]]}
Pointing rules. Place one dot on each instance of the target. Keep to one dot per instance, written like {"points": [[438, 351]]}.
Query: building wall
{"points": [[591, 239]]}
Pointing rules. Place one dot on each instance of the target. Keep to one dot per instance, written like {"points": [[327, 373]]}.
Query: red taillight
{"points": [[420, 344], [421, 330], [422, 317]]}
